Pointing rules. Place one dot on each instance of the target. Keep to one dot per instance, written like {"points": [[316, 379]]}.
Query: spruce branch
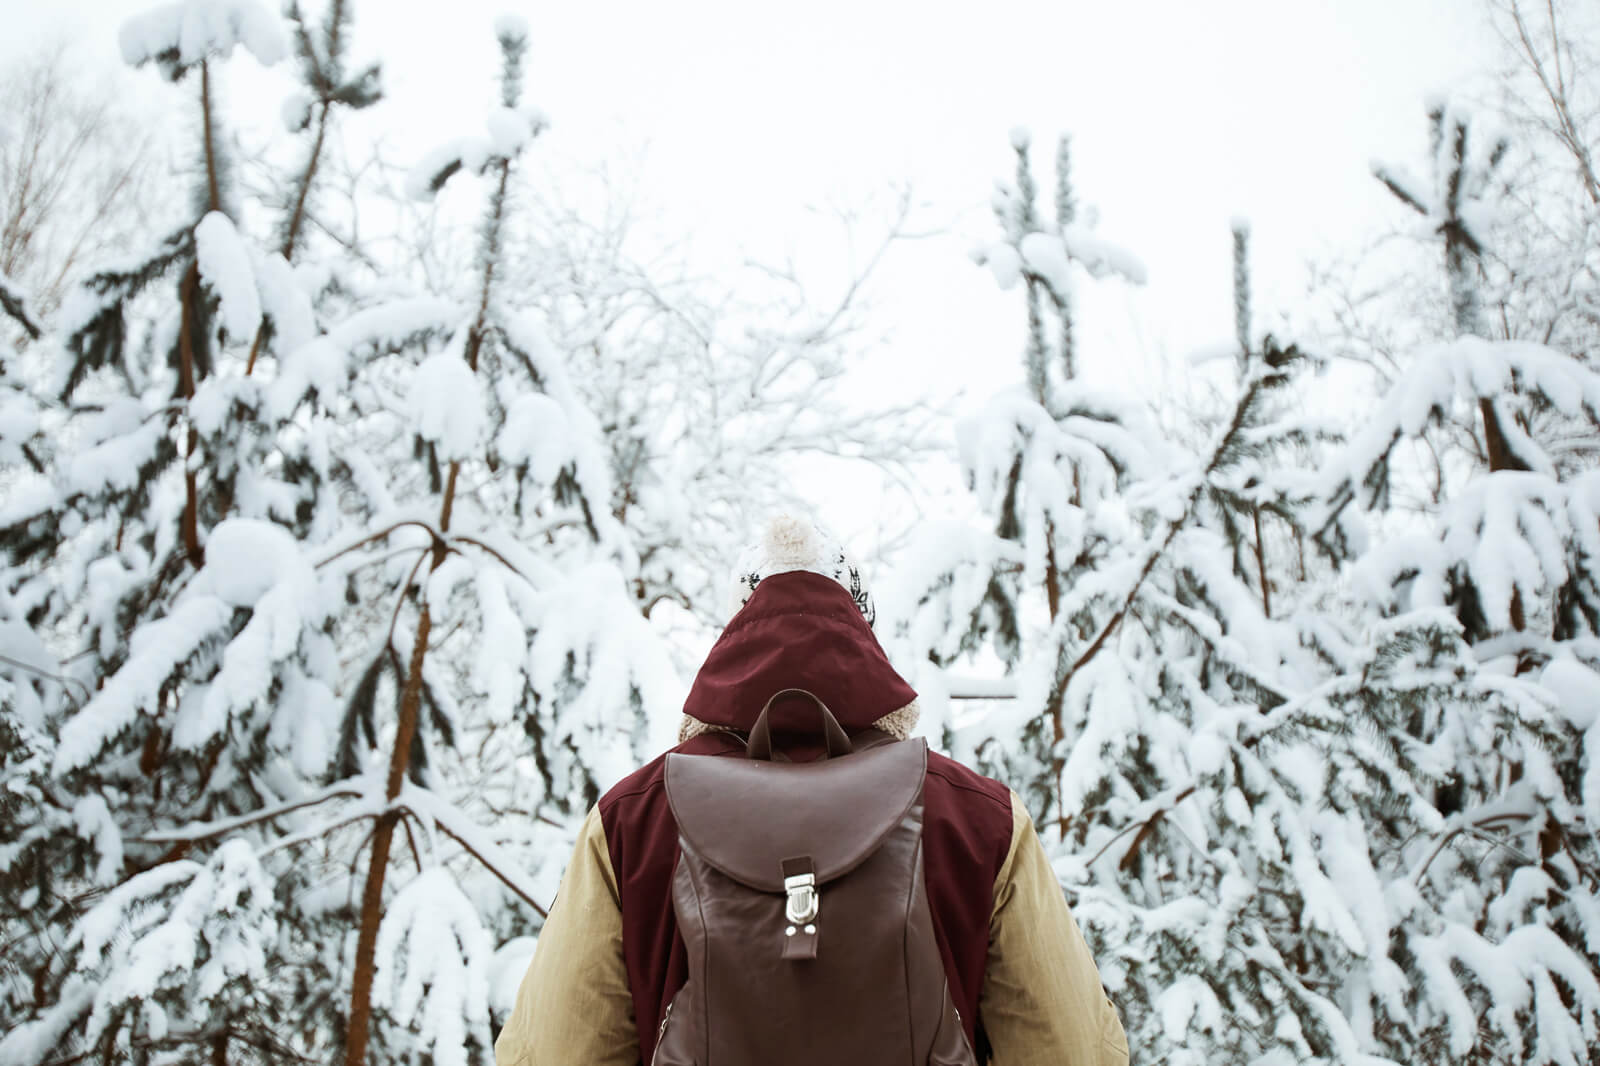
{"points": [[1264, 379], [196, 832], [1143, 827], [12, 303]]}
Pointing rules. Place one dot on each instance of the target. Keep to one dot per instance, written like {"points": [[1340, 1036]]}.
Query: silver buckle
{"points": [[803, 902]]}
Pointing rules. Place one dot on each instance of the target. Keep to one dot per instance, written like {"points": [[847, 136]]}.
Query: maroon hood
{"points": [[799, 630]]}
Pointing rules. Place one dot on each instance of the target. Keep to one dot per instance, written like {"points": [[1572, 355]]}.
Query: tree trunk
{"points": [[189, 292], [355, 1048], [410, 704], [1501, 458], [1261, 565]]}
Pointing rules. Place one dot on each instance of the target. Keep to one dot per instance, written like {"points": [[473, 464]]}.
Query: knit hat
{"points": [[790, 544]]}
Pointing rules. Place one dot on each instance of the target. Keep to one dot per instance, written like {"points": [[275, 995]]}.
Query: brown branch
{"points": [[1261, 565], [411, 841], [213, 188], [449, 496], [501, 559], [401, 600], [492, 868], [292, 231], [1142, 827], [1400, 192], [1059, 690], [291, 235], [380, 535]]}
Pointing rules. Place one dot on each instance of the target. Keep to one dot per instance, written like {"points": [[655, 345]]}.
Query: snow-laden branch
{"points": [[197, 831], [471, 837], [1465, 371]]}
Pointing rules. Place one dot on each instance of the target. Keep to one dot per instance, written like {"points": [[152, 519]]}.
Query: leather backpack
{"points": [[800, 896]]}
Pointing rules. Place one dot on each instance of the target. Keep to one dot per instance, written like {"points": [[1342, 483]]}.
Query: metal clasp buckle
{"points": [[802, 890]]}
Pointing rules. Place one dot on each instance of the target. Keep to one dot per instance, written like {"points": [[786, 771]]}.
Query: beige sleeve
{"points": [[1041, 1003], [573, 1005]]}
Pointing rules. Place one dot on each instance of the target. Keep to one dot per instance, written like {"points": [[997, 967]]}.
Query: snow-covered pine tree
{"points": [[1468, 700], [1039, 459], [1145, 654], [229, 847], [522, 558], [98, 547]]}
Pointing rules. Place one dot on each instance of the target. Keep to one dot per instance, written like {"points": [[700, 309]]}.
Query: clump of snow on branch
{"points": [[178, 938], [537, 435], [224, 262], [446, 404], [594, 655], [179, 35], [322, 365], [433, 962]]}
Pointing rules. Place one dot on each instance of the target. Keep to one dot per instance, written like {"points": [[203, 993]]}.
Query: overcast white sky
{"points": [[1183, 115]]}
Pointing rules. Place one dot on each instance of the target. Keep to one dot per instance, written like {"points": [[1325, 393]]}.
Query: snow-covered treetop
{"points": [[511, 26], [1468, 370], [1463, 167], [508, 131], [176, 36]]}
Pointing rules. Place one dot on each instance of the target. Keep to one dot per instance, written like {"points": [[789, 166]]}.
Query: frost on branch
{"points": [[1512, 536], [508, 130], [250, 622], [1444, 378]]}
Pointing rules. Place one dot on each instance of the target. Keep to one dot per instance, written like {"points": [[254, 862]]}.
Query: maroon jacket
{"points": [[802, 630]]}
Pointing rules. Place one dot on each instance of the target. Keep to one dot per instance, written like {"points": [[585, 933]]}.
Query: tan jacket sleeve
{"points": [[573, 1006], [1041, 1003]]}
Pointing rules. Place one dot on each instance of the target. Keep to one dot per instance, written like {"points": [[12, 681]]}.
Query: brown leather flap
{"points": [[745, 816]]}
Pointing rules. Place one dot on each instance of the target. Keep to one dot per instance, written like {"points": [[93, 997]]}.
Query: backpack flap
{"points": [[790, 828]]}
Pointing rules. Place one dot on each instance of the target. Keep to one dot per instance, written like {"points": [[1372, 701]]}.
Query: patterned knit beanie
{"points": [[790, 544]]}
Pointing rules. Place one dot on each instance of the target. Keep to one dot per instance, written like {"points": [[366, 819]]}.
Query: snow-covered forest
{"points": [[361, 521]]}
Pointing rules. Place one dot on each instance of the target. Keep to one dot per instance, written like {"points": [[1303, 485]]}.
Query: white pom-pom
{"points": [[792, 543]]}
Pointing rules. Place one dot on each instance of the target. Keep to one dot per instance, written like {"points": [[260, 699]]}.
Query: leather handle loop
{"points": [[760, 743]]}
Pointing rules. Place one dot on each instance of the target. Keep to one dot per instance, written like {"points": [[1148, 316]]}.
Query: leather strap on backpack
{"points": [[760, 744], [800, 908]]}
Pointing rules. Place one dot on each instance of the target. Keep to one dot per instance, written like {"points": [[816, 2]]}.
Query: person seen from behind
{"points": [[801, 881]]}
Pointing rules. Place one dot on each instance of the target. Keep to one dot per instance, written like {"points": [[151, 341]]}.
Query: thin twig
{"points": [[59, 678]]}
